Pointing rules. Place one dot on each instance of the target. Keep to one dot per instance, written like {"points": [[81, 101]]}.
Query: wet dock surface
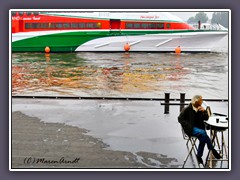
{"points": [[102, 133]]}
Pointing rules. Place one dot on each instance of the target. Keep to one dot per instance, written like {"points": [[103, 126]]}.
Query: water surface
{"points": [[120, 74]]}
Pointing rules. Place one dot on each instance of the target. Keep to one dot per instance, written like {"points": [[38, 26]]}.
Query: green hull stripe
{"points": [[62, 42]]}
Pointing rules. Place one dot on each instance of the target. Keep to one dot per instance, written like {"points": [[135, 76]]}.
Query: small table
{"points": [[217, 124]]}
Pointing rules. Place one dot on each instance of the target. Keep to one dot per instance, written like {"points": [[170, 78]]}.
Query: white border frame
{"points": [[112, 10]]}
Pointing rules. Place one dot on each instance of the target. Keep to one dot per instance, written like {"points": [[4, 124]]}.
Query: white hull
{"points": [[188, 42]]}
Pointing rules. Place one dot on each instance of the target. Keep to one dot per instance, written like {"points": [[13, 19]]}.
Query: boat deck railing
{"points": [[212, 26]]}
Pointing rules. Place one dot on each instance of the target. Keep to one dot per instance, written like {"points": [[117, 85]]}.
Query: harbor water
{"points": [[148, 75]]}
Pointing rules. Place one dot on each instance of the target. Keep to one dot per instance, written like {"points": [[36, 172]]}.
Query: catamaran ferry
{"points": [[108, 32]]}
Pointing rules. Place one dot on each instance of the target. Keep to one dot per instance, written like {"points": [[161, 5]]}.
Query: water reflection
{"points": [[49, 68], [113, 74]]}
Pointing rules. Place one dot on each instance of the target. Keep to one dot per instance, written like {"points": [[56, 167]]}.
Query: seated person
{"points": [[192, 120]]}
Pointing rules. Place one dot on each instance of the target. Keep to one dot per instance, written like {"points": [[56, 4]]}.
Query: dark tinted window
{"points": [[74, 25], [21, 13], [129, 25]]}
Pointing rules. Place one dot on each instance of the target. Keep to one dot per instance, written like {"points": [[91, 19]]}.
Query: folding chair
{"points": [[192, 148]]}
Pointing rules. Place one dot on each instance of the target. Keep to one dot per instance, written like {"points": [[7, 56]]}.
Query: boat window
{"points": [[21, 13], [168, 25], [90, 25], [28, 13], [129, 25], [144, 25], [52, 25], [62, 25], [36, 13], [14, 13], [59, 25], [28, 25], [152, 26], [36, 25], [74, 25], [66, 25], [81, 25], [161, 25], [136, 26], [44, 25]]}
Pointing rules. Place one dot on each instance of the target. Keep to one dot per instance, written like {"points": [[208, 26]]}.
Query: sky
{"points": [[186, 15]]}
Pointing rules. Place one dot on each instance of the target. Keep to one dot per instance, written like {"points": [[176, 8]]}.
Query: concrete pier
{"points": [[96, 134]]}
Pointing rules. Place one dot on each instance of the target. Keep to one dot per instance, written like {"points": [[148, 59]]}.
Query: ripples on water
{"points": [[120, 74]]}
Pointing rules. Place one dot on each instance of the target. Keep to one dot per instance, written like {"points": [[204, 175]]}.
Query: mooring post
{"points": [[166, 106], [182, 101]]}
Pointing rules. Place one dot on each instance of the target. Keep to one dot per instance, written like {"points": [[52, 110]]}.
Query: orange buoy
{"points": [[47, 49], [178, 50], [126, 47]]}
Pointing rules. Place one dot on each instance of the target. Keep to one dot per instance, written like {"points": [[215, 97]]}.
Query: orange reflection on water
{"points": [[126, 78]]}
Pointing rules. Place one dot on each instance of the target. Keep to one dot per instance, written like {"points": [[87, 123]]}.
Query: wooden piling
{"points": [[182, 101], [166, 106]]}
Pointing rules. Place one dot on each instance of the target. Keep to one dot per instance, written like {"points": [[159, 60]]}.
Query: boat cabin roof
{"points": [[154, 16]]}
